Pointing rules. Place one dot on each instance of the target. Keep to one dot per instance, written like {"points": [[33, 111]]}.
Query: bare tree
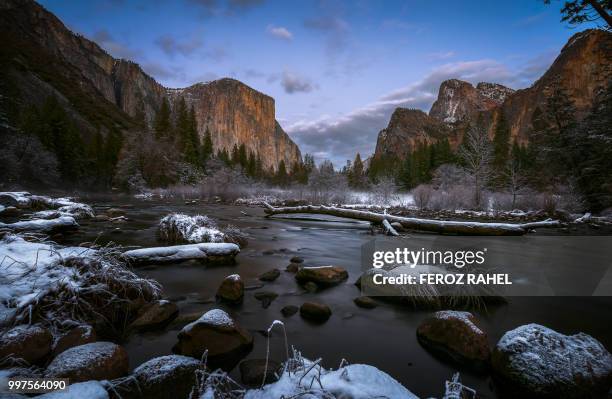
{"points": [[516, 181], [476, 152]]}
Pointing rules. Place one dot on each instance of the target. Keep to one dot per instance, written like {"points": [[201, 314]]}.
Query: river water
{"points": [[384, 337]]}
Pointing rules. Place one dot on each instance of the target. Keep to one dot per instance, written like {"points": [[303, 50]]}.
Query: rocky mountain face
{"points": [[41, 57], [582, 71], [236, 114]]}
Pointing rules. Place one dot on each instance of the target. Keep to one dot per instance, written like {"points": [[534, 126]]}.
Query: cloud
{"points": [[339, 138], [171, 46], [293, 83], [115, 48], [279, 32]]}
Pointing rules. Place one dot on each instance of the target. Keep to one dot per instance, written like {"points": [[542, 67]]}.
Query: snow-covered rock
{"points": [[537, 361], [62, 206], [180, 228], [31, 343], [163, 377], [356, 381], [231, 289], [79, 335], [205, 252], [218, 333], [59, 224], [456, 335], [93, 361]]}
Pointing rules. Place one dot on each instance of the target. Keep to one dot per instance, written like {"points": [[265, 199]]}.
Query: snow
{"points": [[176, 253], [65, 206], [194, 229], [463, 316], [81, 390], [357, 381], [81, 357], [214, 317], [43, 225], [30, 270]]}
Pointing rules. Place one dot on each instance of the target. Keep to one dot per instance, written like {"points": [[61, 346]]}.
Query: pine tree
{"points": [[207, 147], [162, 124], [281, 177], [501, 147], [356, 179]]}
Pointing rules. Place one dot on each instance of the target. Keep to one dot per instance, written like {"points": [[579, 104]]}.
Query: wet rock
{"points": [[115, 212], [266, 297], [289, 310], [317, 312], [323, 275], [457, 336], [270, 275], [227, 343], [165, 377], [231, 289], [365, 302], [252, 371], [79, 335], [30, 343], [155, 315], [293, 267], [93, 361], [296, 259], [311, 287], [535, 361]]}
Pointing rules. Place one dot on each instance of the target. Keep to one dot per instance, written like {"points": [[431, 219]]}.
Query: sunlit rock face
{"points": [[236, 114]]}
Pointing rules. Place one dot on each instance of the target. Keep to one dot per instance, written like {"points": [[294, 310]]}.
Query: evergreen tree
{"points": [[235, 157], [501, 146], [207, 147], [242, 156], [356, 173], [162, 124], [281, 177]]}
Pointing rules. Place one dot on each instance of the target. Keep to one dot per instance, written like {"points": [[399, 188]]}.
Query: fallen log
{"points": [[204, 252], [436, 226], [389, 230], [57, 225]]}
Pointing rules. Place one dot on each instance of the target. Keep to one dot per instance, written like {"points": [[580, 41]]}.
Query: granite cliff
{"points": [[41, 57], [582, 72]]}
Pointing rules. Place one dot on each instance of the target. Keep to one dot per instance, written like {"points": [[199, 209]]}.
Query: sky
{"points": [[336, 69]]}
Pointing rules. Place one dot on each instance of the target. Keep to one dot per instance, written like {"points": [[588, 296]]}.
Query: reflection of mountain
{"points": [[41, 57], [582, 72]]}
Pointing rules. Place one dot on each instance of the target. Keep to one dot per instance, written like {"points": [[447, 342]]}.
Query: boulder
{"points": [[296, 259], [311, 287], [270, 275], [227, 343], [155, 315], [293, 267], [79, 335], [365, 302], [115, 212], [317, 312], [252, 371], [165, 377], [231, 289], [266, 297], [322, 276], [535, 361], [289, 310], [30, 343], [93, 361], [457, 336]]}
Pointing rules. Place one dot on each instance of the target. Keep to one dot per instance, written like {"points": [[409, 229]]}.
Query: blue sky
{"points": [[336, 69]]}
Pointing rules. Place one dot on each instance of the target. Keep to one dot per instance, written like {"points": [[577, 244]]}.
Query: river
{"points": [[383, 337]]}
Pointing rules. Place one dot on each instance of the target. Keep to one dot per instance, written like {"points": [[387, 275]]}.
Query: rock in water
{"points": [[79, 335], [165, 377], [94, 361], [155, 315], [266, 297], [252, 371], [293, 267], [270, 275], [457, 336], [317, 312], [296, 259], [322, 275], [289, 310], [31, 343], [227, 343], [365, 302], [231, 289], [536, 361]]}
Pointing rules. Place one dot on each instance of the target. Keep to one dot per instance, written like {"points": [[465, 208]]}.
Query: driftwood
{"points": [[436, 226], [389, 229]]}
